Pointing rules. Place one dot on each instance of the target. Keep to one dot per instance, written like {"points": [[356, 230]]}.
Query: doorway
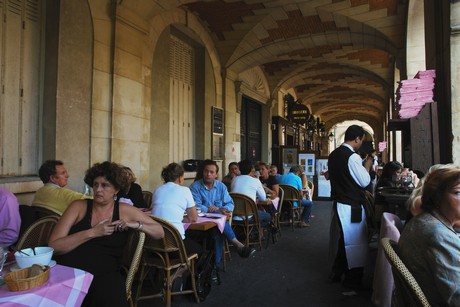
{"points": [[251, 134]]}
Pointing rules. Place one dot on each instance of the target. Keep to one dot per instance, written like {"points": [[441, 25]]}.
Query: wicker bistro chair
{"points": [[291, 195], [43, 211], [245, 216], [276, 219], [167, 255], [148, 198], [407, 290], [311, 186], [38, 233], [369, 208], [131, 259], [226, 255]]}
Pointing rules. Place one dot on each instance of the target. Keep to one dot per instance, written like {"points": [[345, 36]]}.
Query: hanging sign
{"points": [[299, 113]]}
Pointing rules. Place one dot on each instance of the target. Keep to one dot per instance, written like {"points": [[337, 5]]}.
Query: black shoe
{"points": [[215, 277], [246, 252]]}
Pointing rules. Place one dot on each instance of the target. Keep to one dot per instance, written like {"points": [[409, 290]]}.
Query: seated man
{"points": [[211, 195], [248, 185], [10, 220], [292, 178], [53, 194]]}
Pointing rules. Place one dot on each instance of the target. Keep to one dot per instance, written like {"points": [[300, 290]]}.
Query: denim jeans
{"points": [[307, 206], [219, 241]]}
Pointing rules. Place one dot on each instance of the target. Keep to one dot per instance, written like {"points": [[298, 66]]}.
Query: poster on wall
{"points": [[289, 156], [307, 160], [217, 133], [324, 185]]}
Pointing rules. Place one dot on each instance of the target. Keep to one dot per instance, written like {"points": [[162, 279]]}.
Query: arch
{"points": [[159, 23]]}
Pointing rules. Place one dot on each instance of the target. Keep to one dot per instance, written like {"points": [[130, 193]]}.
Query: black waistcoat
{"points": [[344, 189]]}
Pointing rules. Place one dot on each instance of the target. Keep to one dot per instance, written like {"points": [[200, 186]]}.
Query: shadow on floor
{"points": [[291, 272]]}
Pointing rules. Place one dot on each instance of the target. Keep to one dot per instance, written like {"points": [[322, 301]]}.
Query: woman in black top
{"points": [[91, 234]]}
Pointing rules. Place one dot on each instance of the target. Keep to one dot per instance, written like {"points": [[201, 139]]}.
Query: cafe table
{"points": [[208, 221], [66, 286], [396, 199], [268, 202]]}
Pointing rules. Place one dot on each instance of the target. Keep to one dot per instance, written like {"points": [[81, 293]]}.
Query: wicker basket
{"points": [[19, 280]]}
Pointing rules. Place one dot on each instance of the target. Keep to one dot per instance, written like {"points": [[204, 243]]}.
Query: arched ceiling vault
{"points": [[337, 55]]}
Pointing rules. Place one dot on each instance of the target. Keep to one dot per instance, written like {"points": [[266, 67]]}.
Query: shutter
{"points": [[20, 92], [11, 75], [182, 144], [31, 90]]}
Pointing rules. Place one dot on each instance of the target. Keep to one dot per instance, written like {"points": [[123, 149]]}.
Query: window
{"points": [[20, 86]]}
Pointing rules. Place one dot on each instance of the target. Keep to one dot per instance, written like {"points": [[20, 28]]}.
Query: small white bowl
{"points": [[42, 257]]}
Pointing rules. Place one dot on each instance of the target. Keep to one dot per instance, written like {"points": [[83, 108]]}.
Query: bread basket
{"points": [[19, 280]]}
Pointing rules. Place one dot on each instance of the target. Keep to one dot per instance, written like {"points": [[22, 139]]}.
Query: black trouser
{"points": [[340, 266]]}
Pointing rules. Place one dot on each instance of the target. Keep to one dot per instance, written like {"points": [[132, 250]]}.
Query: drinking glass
{"points": [[407, 181], [397, 181]]}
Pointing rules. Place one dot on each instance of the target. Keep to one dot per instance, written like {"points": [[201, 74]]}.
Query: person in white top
{"points": [[172, 200], [248, 185]]}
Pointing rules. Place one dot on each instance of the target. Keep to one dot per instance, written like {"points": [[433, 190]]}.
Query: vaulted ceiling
{"points": [[338, 56]]}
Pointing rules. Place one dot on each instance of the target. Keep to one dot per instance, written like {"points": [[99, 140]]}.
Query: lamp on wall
{"points": [[322, 129], [311, 125], [331, 136]]}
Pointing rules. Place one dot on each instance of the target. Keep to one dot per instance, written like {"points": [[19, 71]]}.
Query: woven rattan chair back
{"points": [[43, 211], [148, 198], [277, 219], [311, 186], [169, 257], [291, 195], [38, 233], [407, 290], [132, 254], [245, 216], [369, 208]]}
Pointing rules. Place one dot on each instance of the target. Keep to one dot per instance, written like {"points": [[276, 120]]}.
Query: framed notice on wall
{"points": [[289, 156], [307, 160], [217, 121], [324, 185]]}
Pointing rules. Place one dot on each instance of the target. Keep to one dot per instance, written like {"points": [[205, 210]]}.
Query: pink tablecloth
{"points": [[216, 218], [66, 286]]}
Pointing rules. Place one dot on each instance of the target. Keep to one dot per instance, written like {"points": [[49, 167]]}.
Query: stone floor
{"points": [[291, 272]]}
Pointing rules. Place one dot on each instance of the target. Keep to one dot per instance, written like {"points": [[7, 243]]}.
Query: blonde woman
{"points": [[429, 245]]}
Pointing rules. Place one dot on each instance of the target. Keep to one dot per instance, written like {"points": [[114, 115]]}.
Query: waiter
{"points": [[348, 231]]}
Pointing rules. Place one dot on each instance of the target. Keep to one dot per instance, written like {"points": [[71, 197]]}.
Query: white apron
{"points": [[355, 237]]}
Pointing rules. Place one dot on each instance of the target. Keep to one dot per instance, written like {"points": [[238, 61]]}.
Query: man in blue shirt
{"points": [[292, 178], [211, 195]]}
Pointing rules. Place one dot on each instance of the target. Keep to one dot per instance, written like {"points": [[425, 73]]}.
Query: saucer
{"points": [[15, 267]]}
